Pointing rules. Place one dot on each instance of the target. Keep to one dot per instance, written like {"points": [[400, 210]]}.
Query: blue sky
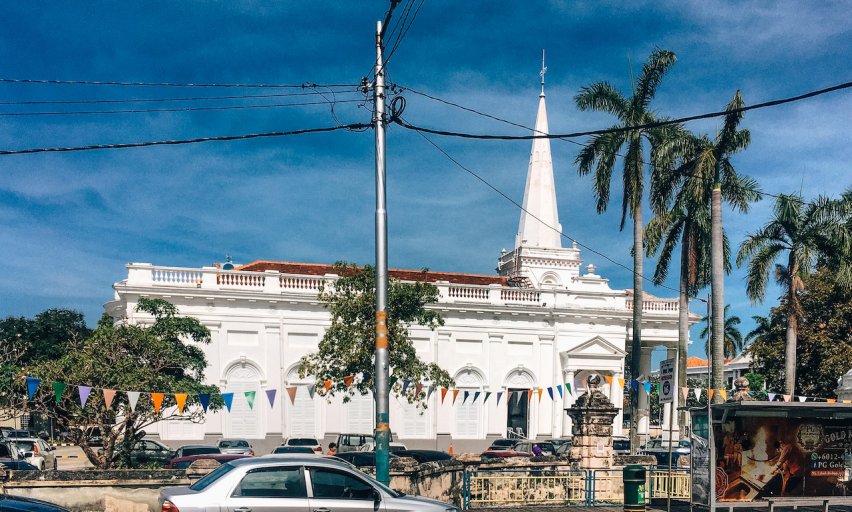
{"points": [[69, 222]]}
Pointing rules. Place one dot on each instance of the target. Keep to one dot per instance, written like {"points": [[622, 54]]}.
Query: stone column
{"points": [[568, 400], [592, 416], [644, 403]]}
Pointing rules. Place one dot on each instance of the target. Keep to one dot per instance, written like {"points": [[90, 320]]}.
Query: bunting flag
{"points": [[787, 398], [771, 396], [270, 395], [831, 400], [697, 393], [32, 386], [417, 389], [621, 382], [487, 395], [635, 384], [250, 398], [292, 392], [109, 394], [348, 380], [228, 398], [204, 398], [608, 379], [455, 395], [476, 395], [180, 399], [312, 390], [58, 389], [803, 398], [724, 394], [550, 392], [466, 396], [133, 398], [327, 384], [157, 398], [684, 391], [710, 393], [529, 395], [647, 386], [84, 394], [429, 393], [568, 388], [559, 388], [405, 385], [539, 394], [443, 394], [520, 396], [499, 396]]}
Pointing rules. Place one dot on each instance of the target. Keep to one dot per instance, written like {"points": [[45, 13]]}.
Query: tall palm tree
{"points": [[600, 155], [799, 233], [763, 326], [733, 337]]}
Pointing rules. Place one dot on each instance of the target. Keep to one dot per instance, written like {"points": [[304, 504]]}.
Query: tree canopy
{"points": [[347, 346]]}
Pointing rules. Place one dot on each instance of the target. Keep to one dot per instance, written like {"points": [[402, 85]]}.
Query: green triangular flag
{"points": [[487, 394], [58, 389], [250, 398], [568, 388]]}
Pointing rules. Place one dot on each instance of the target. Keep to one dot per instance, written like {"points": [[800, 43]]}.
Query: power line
{"points": [[167, 100], [644, 126], [404, 31], [521, 207], [354, 126], [306, 85], [176, 109]]}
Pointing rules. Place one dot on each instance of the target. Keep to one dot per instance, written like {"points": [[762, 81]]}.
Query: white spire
{"points": [[540, 217]]}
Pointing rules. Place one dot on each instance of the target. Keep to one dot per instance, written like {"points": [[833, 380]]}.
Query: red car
{"points": [[221, 458]]}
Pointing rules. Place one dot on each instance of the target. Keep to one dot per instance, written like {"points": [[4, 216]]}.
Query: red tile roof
{"points": [[694, 361], [321, 269]]}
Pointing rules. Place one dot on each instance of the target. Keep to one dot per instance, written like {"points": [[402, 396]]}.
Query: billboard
{"points": [[760, 457]]}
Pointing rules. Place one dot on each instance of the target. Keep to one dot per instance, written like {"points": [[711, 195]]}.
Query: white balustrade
{"points": [[468, 293], [654, 305], [301, 283], [176, 276], [236, 279], [519, 295]]}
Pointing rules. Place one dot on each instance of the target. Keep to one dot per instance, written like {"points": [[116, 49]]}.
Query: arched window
{"points": [[519, 421], [301, 414], [469, 414], [243, 421]]}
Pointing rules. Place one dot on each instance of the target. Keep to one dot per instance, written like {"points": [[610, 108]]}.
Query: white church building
{"points": [[544, 321]]}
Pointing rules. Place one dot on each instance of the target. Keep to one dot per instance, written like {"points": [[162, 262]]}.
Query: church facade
{"points": [[544, 322]]}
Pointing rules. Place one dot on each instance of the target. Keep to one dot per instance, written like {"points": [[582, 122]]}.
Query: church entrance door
{"points": [[518, 419]]}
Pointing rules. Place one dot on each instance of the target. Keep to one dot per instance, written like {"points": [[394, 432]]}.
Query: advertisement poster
{"points": [[762, 457]]}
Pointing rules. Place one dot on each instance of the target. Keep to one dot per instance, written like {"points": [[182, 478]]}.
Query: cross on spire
{"points": [[543, 71]]}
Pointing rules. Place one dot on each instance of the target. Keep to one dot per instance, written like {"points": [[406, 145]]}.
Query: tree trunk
{"points": [[636, 346], [717, 286], [683, 324], [790, 350]]}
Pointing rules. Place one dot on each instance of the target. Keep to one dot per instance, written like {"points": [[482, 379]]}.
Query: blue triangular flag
{"points": [[550, 392], [647, 387], [405, 385], [559, 388], [270, 394], [635, 384], [228, 398], [32, 386], [204, 398], [771, 396], [476, 395], [84, 394], [466, 394], [499, 396]]}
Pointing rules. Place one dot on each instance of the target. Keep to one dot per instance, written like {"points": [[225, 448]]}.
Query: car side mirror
{"points": [[377, 499]]}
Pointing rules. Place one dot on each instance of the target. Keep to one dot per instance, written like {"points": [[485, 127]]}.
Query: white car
{"points": [[35, 451], [370, 446], [310, 442]]}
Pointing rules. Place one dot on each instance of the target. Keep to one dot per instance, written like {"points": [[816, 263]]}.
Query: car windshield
{"points": [[27, 446], [302, 441], [376, 483], [211, 477], [233, 444], [504, 442], [199, 450]]}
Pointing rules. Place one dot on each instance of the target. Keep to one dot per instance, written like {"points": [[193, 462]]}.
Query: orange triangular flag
{"points": [[710, 393], [455, 394], [621, 382], [292, 392], [443, 394], [180, 398], [327, 384], [787, 397], [529, 395], [724, 394], [608, 379], [539, 394], [418, 388], [831, 400], [157, 398], [348, 380], [109, 394], [685, 392]]}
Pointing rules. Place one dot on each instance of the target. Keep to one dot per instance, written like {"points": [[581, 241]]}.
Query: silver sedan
{"points": [[292, 484]]}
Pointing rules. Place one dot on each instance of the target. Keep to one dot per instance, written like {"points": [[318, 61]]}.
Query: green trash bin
{"points": [[634, 488]]}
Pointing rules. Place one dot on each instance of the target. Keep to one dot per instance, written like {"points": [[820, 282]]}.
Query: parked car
{"points": [[621, 446], [370, 446], [9, 503], [361, 459], [16, 433], [422, 456], [195, 449], [35, 451], [351, 442], [501, 454], [296, 483], [562, 445], [302, 450], [660, 450], [236, 446], [221, 458], [146, 451], [311, 442], [502, 444], [17, 465], [528, 447]]}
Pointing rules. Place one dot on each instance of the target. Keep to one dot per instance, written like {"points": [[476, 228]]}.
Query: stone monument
{"points": [[592, 416]]}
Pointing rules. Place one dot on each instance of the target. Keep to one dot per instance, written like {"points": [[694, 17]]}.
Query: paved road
{"points": [[71, 457]]}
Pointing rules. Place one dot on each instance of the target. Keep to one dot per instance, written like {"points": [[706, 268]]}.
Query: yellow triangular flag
{"points": [[831, 400], [455, 395], [724, 394], [180, 398], [157, 398], [608, 379], [621, 382], [539, 394]]}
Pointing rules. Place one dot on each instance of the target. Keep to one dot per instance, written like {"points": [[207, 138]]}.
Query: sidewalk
{"points": [[677, 506]]}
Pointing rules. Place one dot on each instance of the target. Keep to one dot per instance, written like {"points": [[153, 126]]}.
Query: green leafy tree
{"points": [[164, 356], [799, 233], [347, 347], [599, 157], [824, 338], [733, 336]]}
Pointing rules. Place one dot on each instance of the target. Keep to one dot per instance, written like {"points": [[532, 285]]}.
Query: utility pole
{"points": [[382, 391]]}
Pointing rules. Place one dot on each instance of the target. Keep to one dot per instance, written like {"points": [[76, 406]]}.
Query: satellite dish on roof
{"points": [[229, 265]]}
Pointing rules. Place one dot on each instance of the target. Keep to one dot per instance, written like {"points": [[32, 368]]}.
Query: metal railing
{"points": [[543, 486]]}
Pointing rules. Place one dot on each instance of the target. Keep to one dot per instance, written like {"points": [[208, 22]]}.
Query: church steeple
{"points": [[540, 217]]}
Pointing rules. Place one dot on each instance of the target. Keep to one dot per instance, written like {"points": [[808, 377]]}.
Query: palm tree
{"points": [[800, 233], [600, 155], [733, 337], [763, 326]]}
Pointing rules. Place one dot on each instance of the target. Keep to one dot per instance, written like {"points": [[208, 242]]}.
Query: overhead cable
{"points": [[167, 100], [354, 126], [307, 85]]}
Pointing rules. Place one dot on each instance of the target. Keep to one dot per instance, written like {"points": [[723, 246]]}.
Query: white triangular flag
{"points": [[803, 398], [132, 397], [697, 393]]}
